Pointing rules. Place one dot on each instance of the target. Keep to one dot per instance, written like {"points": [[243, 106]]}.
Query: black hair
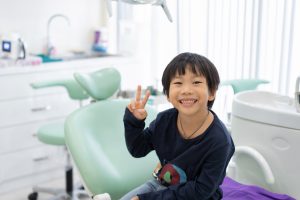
{"points": [[198, 64]]}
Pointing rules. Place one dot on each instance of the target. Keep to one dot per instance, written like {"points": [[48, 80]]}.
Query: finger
{"points": [[132, 105], [146, 97], [138, 93], [129, 107]]}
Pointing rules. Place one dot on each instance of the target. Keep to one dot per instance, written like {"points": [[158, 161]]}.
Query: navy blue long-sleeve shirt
{"points": [[203, 158]]}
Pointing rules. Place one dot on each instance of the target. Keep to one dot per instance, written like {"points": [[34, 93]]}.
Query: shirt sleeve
{"points": [[138, 139], [204, 186]]}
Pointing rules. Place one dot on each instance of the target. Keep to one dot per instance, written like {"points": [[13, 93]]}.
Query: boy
{"points": [[192, 144]]}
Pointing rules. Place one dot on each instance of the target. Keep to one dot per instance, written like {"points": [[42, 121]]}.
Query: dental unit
{"points": [[297, 94], [266, 131]]}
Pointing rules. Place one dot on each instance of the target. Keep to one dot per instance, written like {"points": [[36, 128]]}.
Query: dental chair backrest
{"points": [[100, 84], [95, 139], [239, 85]]}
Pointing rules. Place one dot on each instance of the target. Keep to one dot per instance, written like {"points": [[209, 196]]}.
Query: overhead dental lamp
{"points": [[161, 3]]}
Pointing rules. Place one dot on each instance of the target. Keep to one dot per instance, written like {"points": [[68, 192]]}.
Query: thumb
{"points": [[142, 113]]}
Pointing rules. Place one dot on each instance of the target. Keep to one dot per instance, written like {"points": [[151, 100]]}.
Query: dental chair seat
{"points": [[52, 134], [95, 139]]}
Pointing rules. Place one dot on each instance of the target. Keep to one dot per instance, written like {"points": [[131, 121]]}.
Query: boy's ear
{"points": [[212, 95]]}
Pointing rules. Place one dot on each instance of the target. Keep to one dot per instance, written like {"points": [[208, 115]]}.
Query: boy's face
{"points": [[189, 93]]}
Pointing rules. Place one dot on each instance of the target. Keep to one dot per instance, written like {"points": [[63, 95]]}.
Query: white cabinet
{"points": [[30, 162], [22, 111], [25, 161], [36, 108]]}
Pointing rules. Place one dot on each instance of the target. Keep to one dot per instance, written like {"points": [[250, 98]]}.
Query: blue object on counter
{"points": [[46, 59], [99, 48]]}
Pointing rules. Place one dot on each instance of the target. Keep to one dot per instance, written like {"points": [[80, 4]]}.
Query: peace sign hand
{"points": [[137, 105]]}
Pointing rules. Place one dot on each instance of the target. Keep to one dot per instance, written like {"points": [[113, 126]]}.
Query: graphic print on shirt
{"points": [[171, 174]]}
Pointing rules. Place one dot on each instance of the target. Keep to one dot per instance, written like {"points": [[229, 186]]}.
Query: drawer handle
{"points": [[39, 109], [39, 159]]}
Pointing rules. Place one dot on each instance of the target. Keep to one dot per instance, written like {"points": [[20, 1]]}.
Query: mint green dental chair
{"points": [[239, 85], [96, 142], [53, 134], [95, 139], [100, 84]]}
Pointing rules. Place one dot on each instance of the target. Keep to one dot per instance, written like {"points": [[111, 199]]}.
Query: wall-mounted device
{"points": [[12, 47]]}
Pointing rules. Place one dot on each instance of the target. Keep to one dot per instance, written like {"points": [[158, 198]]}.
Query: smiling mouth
{"points": [[187, 102]]}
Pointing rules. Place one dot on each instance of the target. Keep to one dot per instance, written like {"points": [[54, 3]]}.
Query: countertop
{"points": [[54, 66]]}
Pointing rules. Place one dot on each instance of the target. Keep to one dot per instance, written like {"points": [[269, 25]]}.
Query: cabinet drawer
{"points": [[38, 108], [18, 138], [30, 162]]}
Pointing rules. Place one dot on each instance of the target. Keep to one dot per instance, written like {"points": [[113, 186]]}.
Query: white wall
{"points": [[29, 19]]}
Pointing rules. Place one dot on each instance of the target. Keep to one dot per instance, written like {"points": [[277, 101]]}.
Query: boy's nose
{"points": [[186, 89]]}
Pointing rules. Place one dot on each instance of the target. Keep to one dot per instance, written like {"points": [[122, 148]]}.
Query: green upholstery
{"points": [[52, 134], [100, 84], [239, 85], [96, 142], [73, 88]]}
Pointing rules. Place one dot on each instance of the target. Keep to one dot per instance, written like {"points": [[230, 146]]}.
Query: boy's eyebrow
{"points": [[194, 76], [177, 76]]}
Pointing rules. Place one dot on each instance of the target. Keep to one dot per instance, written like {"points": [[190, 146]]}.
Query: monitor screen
{"points": [[6, 46]]}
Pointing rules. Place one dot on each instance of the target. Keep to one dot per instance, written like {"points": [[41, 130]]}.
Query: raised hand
{"points": [[135, 198], [137, 105], [157, 168]]}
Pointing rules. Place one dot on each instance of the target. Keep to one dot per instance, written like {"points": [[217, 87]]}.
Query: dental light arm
{"points": [[109, 7], [161, 3], [167, 12]]}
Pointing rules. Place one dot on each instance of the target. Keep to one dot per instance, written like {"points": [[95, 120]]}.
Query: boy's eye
{"points": [[177, 83], [197, 82]]}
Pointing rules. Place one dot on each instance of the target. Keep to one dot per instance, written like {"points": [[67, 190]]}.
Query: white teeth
{"points": [[187, 102]]}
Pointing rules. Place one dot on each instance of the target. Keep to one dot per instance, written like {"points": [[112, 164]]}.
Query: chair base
{"points": [[58, 194], [69, 193]]}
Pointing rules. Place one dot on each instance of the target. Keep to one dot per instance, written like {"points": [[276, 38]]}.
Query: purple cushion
{"points": [[233, 190]]}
